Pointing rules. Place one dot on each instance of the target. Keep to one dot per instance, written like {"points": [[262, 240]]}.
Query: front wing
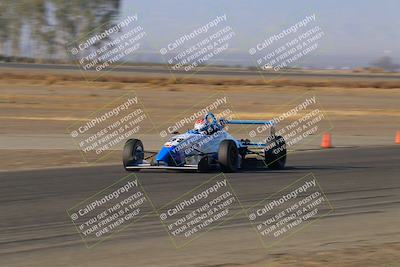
{"points": [[161, 167]]}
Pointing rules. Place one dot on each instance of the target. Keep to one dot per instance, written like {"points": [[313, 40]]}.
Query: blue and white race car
{"points": [[208, 146]]}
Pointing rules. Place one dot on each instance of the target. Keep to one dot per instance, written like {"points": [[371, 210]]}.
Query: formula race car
{"points": [[208, 147]]}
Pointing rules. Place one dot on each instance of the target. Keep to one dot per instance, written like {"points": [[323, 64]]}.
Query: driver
{"points": [[208, 125], [201, 125]]}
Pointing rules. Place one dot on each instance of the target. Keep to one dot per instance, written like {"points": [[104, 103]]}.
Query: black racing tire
{"points": [[203, 165], [275, 154], [133, 153], [228, 156]]}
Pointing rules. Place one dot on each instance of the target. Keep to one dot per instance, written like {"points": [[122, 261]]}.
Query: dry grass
{"points": [[117, 81]]}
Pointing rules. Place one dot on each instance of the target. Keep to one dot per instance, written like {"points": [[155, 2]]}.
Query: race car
{"points": [[207, 147]]}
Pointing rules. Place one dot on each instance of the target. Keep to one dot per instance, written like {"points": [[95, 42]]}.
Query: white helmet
{"points": [[200, 125]]}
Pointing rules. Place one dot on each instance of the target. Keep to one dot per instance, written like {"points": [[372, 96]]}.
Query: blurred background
{"points": [[359, 34]]}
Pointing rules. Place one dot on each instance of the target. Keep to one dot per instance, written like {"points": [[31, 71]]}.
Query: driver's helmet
{"points": [[201, 125]]}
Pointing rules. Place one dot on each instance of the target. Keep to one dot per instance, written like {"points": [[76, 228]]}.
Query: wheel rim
{"points": [[138, 154]]}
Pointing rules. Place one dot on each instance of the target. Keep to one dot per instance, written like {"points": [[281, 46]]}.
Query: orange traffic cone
{"points": [[397, 139], [326, 141]]}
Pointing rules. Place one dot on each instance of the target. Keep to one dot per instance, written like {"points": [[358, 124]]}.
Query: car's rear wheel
{"points": [[275, 153], [133, 153], [228, 156]]}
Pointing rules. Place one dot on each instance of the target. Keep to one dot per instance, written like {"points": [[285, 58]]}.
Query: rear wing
{"points": [[271, 124], [249, 122]]}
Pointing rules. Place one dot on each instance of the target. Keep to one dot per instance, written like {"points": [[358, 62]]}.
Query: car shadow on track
{"points": [[303, 168]]}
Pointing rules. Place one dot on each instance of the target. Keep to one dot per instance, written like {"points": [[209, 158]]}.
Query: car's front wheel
{"points": [[228, 156]]}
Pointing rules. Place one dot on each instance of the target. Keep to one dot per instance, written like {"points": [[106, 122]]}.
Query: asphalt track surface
{"points": [[221, 72], [36, 231]]}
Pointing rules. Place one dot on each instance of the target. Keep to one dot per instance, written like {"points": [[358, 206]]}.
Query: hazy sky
{"points": [[357, 28]]}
